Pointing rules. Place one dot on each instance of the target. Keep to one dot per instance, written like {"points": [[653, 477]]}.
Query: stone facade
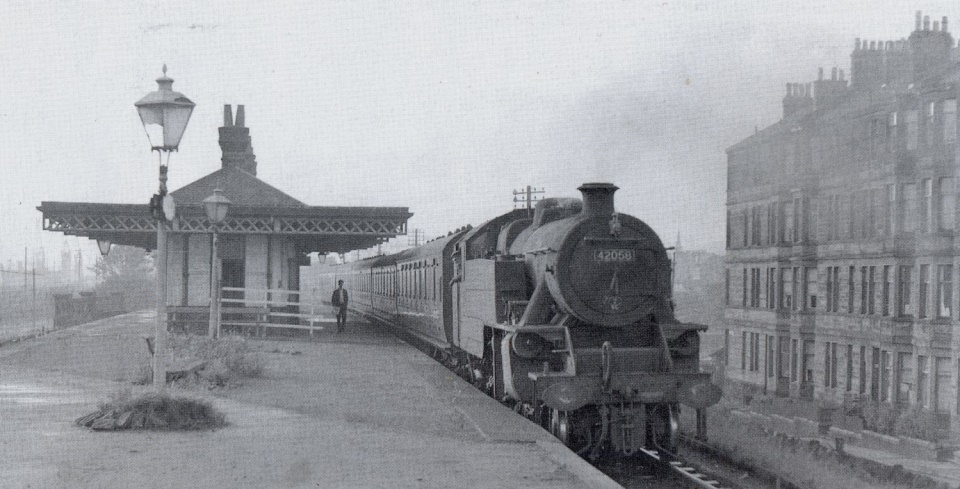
{"points": [[842, 250]]}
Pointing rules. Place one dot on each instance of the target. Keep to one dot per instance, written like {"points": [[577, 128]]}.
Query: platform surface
{"points": [[356, 409]]}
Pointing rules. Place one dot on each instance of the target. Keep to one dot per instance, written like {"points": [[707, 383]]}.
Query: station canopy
{"points": [[257, 208]]}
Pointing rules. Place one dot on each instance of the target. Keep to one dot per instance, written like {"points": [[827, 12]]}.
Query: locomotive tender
{"points": [[569, 314]]}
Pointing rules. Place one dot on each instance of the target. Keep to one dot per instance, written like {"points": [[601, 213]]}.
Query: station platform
{"points": [[355, 409]]}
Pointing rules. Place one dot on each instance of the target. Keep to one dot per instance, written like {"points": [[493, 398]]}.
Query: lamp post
{"points": [[216, 207], [165, 115]]}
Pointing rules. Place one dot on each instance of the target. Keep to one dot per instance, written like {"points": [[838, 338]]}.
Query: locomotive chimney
{"points": [[598, 199]]}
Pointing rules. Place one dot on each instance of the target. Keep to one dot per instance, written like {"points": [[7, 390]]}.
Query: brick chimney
{"points": [[235, 142]]}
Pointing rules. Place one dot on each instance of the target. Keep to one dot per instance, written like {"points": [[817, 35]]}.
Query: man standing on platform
{"points": [[339, 301]]}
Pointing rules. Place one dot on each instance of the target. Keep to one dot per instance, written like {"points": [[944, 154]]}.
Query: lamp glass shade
{"points": [[104, 245], [165, 114], [165, 123], [216, 206]]}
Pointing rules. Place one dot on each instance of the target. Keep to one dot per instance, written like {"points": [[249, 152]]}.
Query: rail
{"points": [[689, 474]]}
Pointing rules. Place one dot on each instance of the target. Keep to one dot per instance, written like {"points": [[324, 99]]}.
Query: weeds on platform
{"points": [[153, 411], [226, 361]]}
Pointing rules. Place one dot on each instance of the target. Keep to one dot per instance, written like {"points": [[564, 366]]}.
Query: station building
{"points": [[842, 244], [263, 241]]}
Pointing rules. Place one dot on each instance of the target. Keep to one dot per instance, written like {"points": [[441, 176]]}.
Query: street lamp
{"points": [[216, 207], [104, 245], [165, 115]]}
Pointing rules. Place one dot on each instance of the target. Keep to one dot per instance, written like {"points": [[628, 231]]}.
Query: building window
{"points": [[863, 290], [949, 121], [833, 365], [885, 376], [783, 302], [924, 286], [887, 288], [872, 292], [874, 202], [783, 357], [875, 375], [807, 367], [826, 364], [755, 353], [743, 352], [850, 289], [889, 208], [726, 346], [836, 289], [755, 287], [771, 223], [795, 288], [904, 377], [908, 211], [946, 210], [912, 129], [810, 287], [923, 379], [849, 379], [941, 383], [726, 299], [729, 223], [926, 206], [830, 301], [793, 360], [944, 290], [930, 114], [744, 303], [771, 356], [863, 370], [746, 228], [892, 132], [905, 283]]}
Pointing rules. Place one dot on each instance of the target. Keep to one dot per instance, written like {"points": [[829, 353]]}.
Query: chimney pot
{"points": [[856, 45], [241, 116], [841, 75], [936, 26], [919, 16], [227, 115], [943, 24], [873, 45], [926, 22], [833, 74], [820, 72]]}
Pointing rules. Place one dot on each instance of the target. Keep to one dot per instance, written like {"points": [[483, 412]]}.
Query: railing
{"points": [[258, 310]]}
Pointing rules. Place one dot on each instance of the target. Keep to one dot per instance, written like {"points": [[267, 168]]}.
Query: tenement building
{"points": [[842, 242]]}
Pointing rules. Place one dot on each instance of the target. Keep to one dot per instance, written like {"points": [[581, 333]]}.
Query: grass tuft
{"points": [[153, 411]]}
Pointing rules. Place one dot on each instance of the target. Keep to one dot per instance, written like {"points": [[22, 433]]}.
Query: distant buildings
{"points": [[842, 251]]}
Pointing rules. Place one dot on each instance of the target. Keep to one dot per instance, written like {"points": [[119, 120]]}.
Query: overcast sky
{"points": [[442, 107]]}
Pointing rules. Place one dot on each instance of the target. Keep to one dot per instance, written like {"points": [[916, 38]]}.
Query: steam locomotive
{"points": [[568, 315]]}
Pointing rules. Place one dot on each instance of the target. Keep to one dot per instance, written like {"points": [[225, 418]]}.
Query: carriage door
{"points": [[455, 298]]}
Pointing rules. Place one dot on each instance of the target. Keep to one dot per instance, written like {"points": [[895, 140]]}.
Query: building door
{"points": [[231, 275]]}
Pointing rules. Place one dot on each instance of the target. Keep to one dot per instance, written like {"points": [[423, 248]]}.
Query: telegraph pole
{"points": [[416, 238], [527, 197]]}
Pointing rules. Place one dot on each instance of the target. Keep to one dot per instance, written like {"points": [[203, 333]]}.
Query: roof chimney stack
{"points": [[237, 151]]}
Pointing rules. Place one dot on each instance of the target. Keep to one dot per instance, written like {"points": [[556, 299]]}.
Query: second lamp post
{"points": [[216, 206]]}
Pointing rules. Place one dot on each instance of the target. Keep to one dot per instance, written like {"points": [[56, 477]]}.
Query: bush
{"points": [[228, 359], [153, 411]]}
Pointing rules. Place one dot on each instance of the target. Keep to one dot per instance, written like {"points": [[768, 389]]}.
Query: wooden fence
{"points": [[254, 312]]}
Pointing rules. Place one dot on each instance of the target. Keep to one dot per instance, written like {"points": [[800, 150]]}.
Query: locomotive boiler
{"points": [[568, 315]]}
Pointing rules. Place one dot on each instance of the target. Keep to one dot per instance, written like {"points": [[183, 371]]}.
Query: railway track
{"points": [[682, 470]]}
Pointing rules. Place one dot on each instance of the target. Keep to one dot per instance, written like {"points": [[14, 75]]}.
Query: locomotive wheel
{"points": [[560, 425]]}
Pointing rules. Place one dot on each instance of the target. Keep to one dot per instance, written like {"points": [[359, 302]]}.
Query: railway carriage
{"points": [[568, 315]]}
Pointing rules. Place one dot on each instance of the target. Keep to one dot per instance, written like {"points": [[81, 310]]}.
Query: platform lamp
{"points": [[104, 245], [216, 206], [165, 115]]}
